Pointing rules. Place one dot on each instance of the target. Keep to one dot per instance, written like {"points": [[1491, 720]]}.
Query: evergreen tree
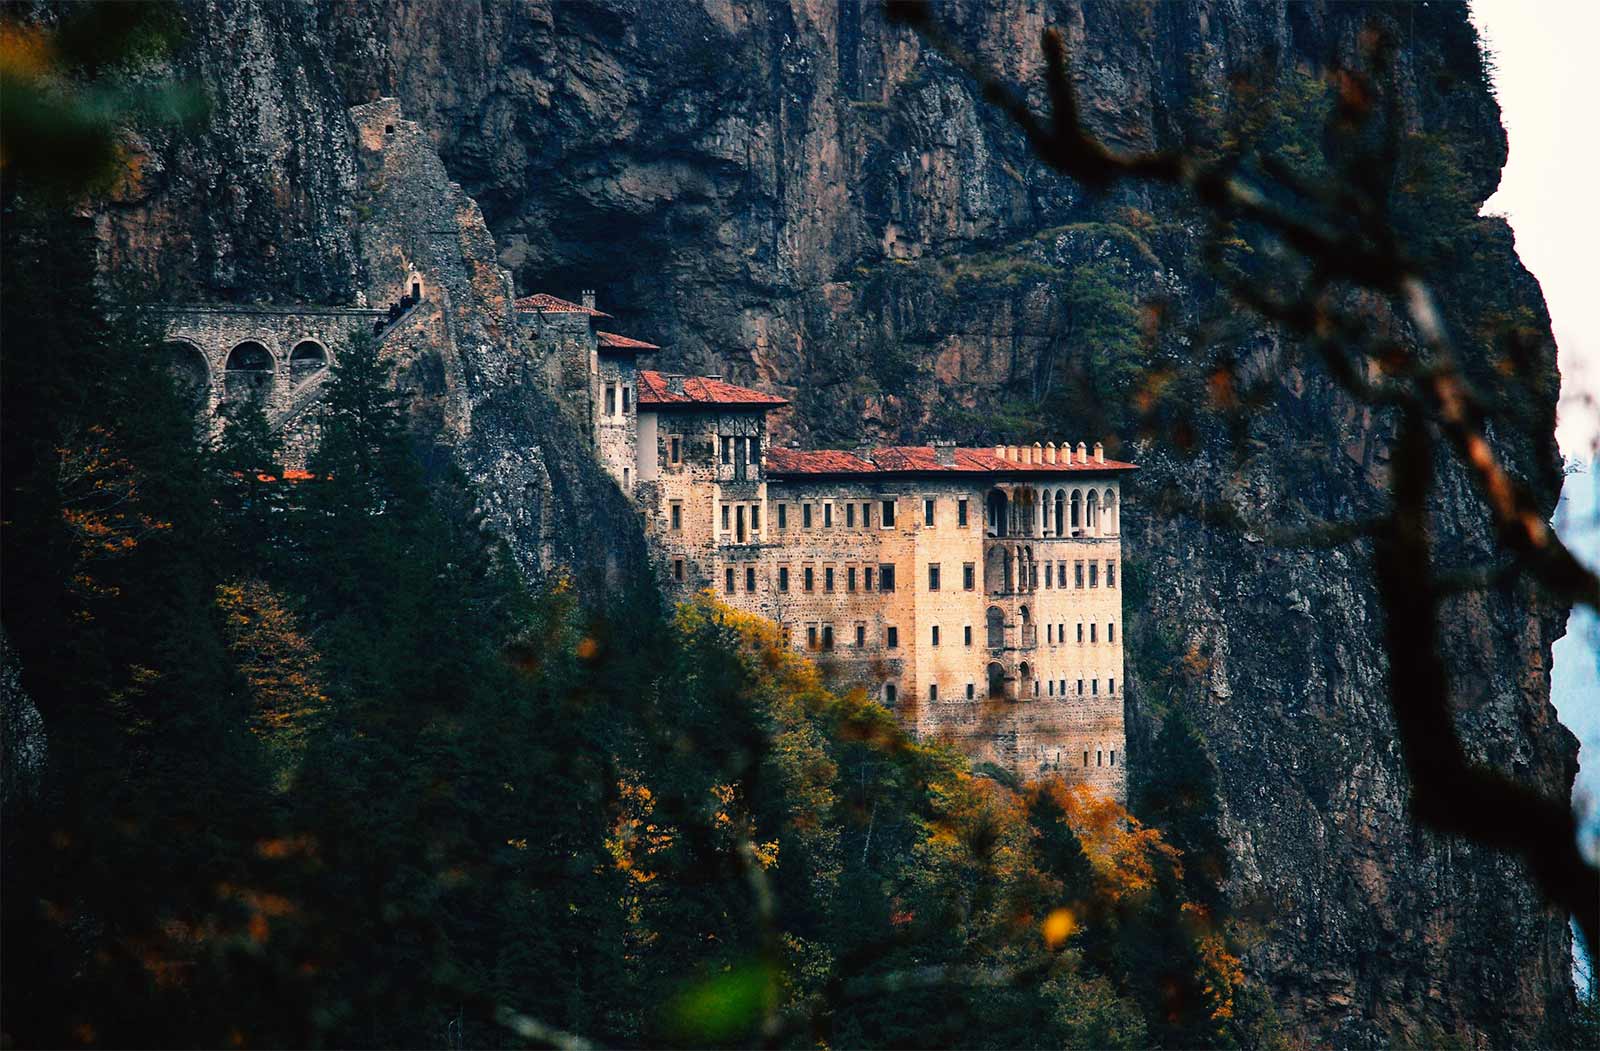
{"points": [[1176, 791]]}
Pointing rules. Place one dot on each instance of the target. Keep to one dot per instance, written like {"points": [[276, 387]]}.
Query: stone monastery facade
{"points": [[974, 591]]}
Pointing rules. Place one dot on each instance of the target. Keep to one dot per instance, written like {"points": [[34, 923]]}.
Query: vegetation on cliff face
{"points": [[323, 772]]}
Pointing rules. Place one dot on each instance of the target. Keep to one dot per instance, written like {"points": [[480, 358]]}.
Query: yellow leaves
{"points": [[1058, 926], [635, 838], [276, 660], [1221, 972], [1123, 853]]}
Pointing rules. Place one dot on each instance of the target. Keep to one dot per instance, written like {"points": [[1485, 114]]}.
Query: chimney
{"points": [[1000, 452], [675, 382], [1049, 452], [944, 451], [1083, 453], [1011, 453], [1038, 453], [1099, 453], [588, 299]]}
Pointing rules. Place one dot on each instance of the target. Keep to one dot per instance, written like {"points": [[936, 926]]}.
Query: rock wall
{"points": [[798, 196]]}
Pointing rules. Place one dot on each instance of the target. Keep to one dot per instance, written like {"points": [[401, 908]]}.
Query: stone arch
{"points": [[308, 358], [995, 568], [996, 509], [1108, 507], [1092, 517], [249, 371], [994, 622], [1061, 509], [997, 680], [190, 371], [1024, 679], [1077, 508], [414, 287]]}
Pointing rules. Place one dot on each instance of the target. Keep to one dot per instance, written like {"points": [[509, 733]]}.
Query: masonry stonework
{"points": [[976, 592]]}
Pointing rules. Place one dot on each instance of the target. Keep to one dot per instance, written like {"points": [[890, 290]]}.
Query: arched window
{"points": [[190, 373], [249, 371], [1024, 679], [996, 510], [995, 622], [1061, 517], [1077, 509], [1109, 508], [1094, 512], [307, 359], [997, 680]]}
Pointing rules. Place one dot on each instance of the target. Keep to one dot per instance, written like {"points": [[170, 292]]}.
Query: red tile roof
{"points": [[655, 393], [918, 459], [612, 341], [548, 304]]}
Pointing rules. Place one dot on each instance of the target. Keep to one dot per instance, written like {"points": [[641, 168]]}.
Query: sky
{"points": [[1547, 81]]}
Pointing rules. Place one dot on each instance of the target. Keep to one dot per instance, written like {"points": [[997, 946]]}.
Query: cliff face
{"points": [[801, 197]]}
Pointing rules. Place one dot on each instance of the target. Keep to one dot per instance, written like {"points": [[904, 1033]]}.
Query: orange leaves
{"points": [[635, 837], [100, 508], [1124, 854]]}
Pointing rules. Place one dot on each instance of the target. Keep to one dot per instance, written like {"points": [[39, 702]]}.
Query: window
{"points": [[866, 578], [1097, 757], [1094, 574], [927, 510], [1063, 690], [1080, 687], [827, 516], [727, 450], [1080, 633], [730, 579], [866, 516], [1092, 628], [1033, 576], [755, 516], [961, 512], [969, 576], [886, 519], [1036, 687], [676, 510], [752, 451], [933, 691], [727, 511], [891, 638], [1047, 567], [750, 578], [886, 577], [805, 516], [827, 579], [1111, 632], [888, 694], [936, 634], [850, 579], [971, 692], [850, 516], [966, 635], [811, 636], [933, 576], [738, 518], [783, 578], [1111, 686], [1113, 757], [1111, 581], [1061, 573], [625, 478], [783, 516], [627, 399], [611, 399], [809, 578], [1094, 687], [827, 636], [1077, 574], [675, 450], [1052, 688], [861, 636], [1085, 758], [1050, 634], [677, 569]]}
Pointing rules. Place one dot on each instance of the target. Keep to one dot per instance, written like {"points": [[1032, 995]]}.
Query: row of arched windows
{"points": [[1051, 512], [249, 371]]}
